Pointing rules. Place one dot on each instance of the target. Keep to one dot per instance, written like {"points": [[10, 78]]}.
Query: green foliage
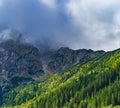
{"points": [[93, 84]]}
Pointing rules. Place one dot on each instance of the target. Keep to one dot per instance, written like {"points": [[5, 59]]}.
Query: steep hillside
{"points": [[92, 84]]}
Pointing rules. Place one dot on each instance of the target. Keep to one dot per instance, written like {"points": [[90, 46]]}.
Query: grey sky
{"points": [[78, 24]]}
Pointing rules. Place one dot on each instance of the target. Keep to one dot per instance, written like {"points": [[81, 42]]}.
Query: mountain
{"points": [[91, 84], [65, 57], [22, 63], [80, 78]]}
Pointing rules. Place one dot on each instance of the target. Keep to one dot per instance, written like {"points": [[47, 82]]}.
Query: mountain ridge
{"points": [[94, 83], [61, 78], [22, 63], [66, 57]]}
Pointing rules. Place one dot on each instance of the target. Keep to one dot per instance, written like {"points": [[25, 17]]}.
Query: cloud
{"points": [[27, 16], [78, 24], [97, 18], [50, 3]]}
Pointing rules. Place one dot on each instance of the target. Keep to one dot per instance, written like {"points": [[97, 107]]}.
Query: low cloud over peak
{"points": [[9, 34], [73, 23]]}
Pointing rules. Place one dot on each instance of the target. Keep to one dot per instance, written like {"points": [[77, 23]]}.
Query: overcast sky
{"points": [[91, 24]]}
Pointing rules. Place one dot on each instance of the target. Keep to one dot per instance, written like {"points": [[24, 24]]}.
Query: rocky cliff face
{"points": [[19, 63], [64, 57]]}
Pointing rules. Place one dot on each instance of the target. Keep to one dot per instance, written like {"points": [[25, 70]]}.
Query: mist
{"points": [[72, 23]]}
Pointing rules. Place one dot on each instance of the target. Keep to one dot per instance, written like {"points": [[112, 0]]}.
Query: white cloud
{"points": [[98, 20], [91, 24], [50, 3], [117, 19]]}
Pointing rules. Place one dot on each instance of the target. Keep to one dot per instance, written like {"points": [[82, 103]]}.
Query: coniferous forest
{"points": [[91, 84]]}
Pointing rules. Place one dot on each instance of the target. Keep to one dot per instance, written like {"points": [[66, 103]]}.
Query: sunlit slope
{"points": [[94, 84]]}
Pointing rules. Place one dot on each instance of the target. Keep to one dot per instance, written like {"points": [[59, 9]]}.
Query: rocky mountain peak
{"points": [[22, 63], [66, 57], [19, 62]]}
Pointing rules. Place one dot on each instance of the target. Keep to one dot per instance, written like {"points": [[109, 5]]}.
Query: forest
{"points": [[91, 84]]}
